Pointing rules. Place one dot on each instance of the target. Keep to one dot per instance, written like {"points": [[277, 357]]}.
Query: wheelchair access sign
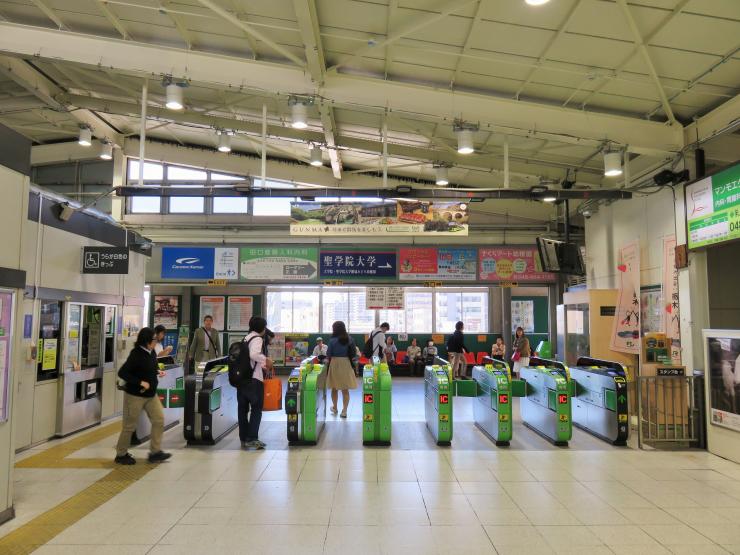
{"points": [[105, 260]]}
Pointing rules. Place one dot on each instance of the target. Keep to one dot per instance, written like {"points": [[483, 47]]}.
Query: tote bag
{"points": [[273, 394]]}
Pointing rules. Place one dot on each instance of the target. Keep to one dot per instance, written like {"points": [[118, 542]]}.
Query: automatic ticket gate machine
{"points": [[210, 403], [306, 402], [377, 386], [492, 406], [546, 404], [600, 402], [438, 402]]}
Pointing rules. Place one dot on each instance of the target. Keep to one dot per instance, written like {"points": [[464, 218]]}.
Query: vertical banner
{"points": [[626, 329], [671, 315]]}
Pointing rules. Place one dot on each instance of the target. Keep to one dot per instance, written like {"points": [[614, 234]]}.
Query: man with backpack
{"points": [[375, 344], [247, 365]]}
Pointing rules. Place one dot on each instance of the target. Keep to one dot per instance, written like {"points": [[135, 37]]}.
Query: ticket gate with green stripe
{"points": [[305, 403], [210, 411], [492, 406], [377, 385], [600, 401], [546, 405], [438, 402]]}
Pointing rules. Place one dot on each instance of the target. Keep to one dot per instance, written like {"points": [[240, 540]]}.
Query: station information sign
{"points": [[713, 209]]}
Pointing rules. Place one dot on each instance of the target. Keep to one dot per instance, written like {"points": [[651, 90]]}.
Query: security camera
{"points": [[587, 214]]}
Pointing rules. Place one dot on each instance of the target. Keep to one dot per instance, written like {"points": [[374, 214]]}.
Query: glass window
{"points": [[266, 206], [449, 311], [361, 320], [146, 205], [230, 205], [335, 306], [224, 177], [293, 311], [468, 306], [475, 311], [151, 170], [395, 318], [418, 311], [187, 205], [175, 173], [279, 311]]}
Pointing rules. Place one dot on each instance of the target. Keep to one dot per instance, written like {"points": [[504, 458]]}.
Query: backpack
{"points": [[367, 350], [240, 364]]}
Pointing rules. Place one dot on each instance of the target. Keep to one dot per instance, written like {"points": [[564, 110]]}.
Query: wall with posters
{"points": [[724, 301], [722, 363]]}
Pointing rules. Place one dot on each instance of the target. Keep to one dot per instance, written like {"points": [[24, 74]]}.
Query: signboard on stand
{"points": [[348, 264], [514, 263], [713, 209], [444, 263], [270, 264]]}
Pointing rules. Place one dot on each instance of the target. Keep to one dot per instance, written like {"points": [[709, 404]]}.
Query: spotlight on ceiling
{"points": [[536, 2], [299, 111], [106, 150], [549, 197], [224, 141], [464, 132], [85, 138], [612, 163], [174, 91], [441, 175], [317, 158]]}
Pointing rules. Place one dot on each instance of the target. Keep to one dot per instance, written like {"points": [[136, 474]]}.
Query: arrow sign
{"points": [[291, 403], [299, 270], [621, 398]]}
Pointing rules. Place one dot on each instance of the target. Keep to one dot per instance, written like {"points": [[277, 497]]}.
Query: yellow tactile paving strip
{"points": [[43, 528]]}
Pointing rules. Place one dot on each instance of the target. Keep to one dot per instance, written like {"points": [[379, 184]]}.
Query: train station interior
{"points": [[369, 277]]}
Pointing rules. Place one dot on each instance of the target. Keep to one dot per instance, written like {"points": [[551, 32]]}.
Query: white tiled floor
{"points": [[340, 498]]}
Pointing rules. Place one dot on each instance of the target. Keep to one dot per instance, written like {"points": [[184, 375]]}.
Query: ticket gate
{"points": [[546, 404], [171, 392], [438, 402], [210, 403], [600, 402], [492, 406], [377, 385], [306, 402]]}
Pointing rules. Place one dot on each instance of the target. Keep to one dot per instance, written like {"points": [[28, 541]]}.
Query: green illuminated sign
{"points": [[713, 209]]}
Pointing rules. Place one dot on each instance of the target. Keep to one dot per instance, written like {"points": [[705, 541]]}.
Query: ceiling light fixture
{"points": [[441, 175], [536, 2], [549, 198], [85, 138], [224, 141], [612, 163], [299, 111], [106, 150], [317, 158], [174, 91], [464, 132]]}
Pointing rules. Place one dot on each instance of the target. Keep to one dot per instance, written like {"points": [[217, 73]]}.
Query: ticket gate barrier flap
{"points": [[492, 408], [210, 404], [546, 407], [377, 385], [438, 396]]}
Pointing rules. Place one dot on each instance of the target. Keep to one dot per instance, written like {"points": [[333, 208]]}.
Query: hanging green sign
{"points": [[713, 209], [278, 263]]}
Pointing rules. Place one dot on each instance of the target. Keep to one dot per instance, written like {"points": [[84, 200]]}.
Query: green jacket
{"points": [[201, 348]]}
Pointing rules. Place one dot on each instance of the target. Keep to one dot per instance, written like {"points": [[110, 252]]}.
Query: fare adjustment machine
{"points": [[492, 406], [305, 403], [546, 404], [376, 404], [438, 402]]}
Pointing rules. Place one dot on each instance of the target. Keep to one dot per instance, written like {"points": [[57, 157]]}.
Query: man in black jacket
{"points": [[141, 374], [456, 351]]}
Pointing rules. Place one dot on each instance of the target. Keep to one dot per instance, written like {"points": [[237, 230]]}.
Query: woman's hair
{"points": [[159, 328], [339, 330], [459, 326], [145, 337], [257, 324], [524, 347], [413, 340], [389, 338], [499, 337]]}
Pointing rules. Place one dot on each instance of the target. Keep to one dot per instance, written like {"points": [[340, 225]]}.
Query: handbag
{"points": [[516, 356], [273, 397]]}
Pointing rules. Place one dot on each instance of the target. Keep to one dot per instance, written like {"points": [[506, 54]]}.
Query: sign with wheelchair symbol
{"points": [[92, 260], [105, 260]]}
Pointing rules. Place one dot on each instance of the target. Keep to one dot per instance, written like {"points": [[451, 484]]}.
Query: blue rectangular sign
{"points": [[348, 264], [187, 262]]}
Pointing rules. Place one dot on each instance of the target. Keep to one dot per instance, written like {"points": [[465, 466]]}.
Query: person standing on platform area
{"points": [[206, 344], [456, 351], [341, 374], [522, 352], [379, 342]]}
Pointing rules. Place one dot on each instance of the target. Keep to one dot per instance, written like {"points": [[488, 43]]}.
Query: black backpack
{"points": [[240, 364], [367, 350]]}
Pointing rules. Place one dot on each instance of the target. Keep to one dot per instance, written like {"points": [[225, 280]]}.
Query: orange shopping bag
{"points": [[273, 394]]}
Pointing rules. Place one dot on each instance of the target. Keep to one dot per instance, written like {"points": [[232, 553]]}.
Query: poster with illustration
{"points": [[522, 315], [166, 311], [296, 349], [671, 316], [626, 327]]}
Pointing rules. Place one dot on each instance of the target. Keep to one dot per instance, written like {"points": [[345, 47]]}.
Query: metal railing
{"points": [[668, 412]]}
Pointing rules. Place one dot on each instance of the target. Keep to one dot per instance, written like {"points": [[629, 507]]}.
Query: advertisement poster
{"points": [[626, 328], [276, 349], [384, 298], [353, 264], [651, 310], [226, 263], [296, 349], [215, 307], [272, 264], [166, 311], [724, 381], [49, 354], [240, 311], [514, 263], [444, 263], [672, 315], [713, 208], [389, 218], [522, 315]]}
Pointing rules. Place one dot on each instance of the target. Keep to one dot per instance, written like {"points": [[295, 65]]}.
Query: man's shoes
{"points": [[126, 459], [262, 444], [159, 456], [254, 444]]}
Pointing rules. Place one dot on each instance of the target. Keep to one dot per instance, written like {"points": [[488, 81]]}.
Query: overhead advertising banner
{"points": [[355, 264], [188, 262], [515, 263], [626, 327], [445, 263], [412, 217], [278, 263], [384, 298], [713, 208], [671, 315]]}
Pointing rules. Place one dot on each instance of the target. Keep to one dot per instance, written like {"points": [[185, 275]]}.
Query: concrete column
{"points": [[506, 319]]}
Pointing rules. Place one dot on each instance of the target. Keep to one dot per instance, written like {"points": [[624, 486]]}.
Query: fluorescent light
{"points": [[106, 150], [299, 115], [316, 156], [549, 198], [224, 142], [85, 137], [612, 164], [441, 177], [174, 94], [536, 2], [465, 141]]}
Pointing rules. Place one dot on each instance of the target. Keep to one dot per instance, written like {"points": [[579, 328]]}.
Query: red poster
{"points": [[514, 263], [417, 261]]}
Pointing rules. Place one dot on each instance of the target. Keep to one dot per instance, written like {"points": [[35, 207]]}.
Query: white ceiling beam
{"points": [[648, 61], [251, 30], [242, 16], [50, 13], [466, 44], [416, 24], [113, 19], [343, 90], [389, 23], [182, 29], [545, 51], [714, 123]]}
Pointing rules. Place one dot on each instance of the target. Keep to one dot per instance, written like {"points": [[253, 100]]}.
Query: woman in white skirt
{"points": [[521, 356], [341, 376]]}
